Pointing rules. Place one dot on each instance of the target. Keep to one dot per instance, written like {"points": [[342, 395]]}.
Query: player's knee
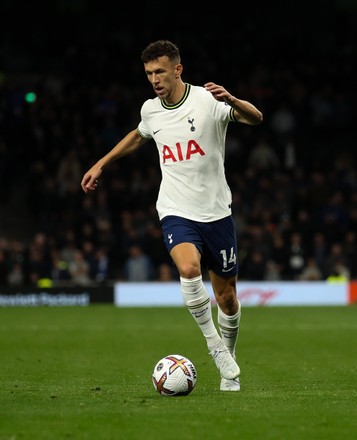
{"points": [[189, 270]]}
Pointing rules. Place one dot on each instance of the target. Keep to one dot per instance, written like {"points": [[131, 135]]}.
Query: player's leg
{"points": [[194, 293], [221, 255], [229, 309], [228, 320], [222, 261], [183, 242]]}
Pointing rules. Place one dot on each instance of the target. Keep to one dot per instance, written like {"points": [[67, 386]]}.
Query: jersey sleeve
{"points": [[143, 128], [221, 111]]}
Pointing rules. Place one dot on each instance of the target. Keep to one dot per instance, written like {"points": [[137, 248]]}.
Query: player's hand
{"points": [[90, 179], [218, 92]]}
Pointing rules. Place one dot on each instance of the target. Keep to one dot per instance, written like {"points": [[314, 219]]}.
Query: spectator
{"points": [[166, 273], [39, 262], [339, 272], [272, 271], [138, 266], [311, 271], [69, 171], [263, 157], [102, 265], [336, 261], [253, 267], [349, 249], [296, 255], [319, 250], [79, 269], [16, 276], [334, 217], [283, 123], [4, 268], [278, 255], [60, 273]]}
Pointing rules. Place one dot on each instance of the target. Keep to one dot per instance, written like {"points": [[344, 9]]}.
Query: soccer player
{"points": [[188, 124]]}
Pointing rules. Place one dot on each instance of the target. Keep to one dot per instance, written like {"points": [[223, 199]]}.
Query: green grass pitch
{"points": [[85, 373]]}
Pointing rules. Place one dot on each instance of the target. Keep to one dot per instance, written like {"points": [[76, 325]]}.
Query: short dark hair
{"points": [[161, 48]]}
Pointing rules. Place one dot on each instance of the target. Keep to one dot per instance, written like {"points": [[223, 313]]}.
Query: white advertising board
{"points": [[250, 294]]}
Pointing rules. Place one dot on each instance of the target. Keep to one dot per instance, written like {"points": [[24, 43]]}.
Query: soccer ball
{"points": [[174, 375]]}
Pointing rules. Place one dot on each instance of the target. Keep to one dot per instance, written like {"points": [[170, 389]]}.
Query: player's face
{"points": [[164, 76]]}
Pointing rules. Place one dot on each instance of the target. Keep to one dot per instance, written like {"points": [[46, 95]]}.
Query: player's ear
{"points": [[178, 70]]}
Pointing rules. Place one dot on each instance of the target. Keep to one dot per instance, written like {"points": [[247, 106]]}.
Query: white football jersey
{"points": [[190, 138]]}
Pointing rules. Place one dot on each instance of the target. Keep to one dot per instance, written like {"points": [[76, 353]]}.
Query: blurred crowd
{"points": [[293, 179]]}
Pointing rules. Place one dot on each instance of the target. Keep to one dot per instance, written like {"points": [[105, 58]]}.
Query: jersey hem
{"points": [[162, 215]]}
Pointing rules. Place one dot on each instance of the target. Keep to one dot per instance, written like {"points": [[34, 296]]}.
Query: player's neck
{"points": [[177, 94]]}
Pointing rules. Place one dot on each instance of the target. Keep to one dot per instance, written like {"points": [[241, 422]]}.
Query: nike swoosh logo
{"points": [[157, 130], [227, 270]]}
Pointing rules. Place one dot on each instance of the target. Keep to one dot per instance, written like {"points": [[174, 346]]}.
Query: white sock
{"points": [[198, 302], [229, 328]]}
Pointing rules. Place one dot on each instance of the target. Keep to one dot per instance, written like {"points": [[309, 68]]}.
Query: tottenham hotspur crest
{"points": [[190, 121]]}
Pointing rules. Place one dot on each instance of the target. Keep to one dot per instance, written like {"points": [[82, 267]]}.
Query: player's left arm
{"points": [[244, 111]]}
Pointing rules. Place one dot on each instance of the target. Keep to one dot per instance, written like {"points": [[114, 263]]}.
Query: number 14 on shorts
{"points": [[226, 261]]}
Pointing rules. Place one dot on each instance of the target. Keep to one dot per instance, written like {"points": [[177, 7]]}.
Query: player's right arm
{"points": [[130, 143]]}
